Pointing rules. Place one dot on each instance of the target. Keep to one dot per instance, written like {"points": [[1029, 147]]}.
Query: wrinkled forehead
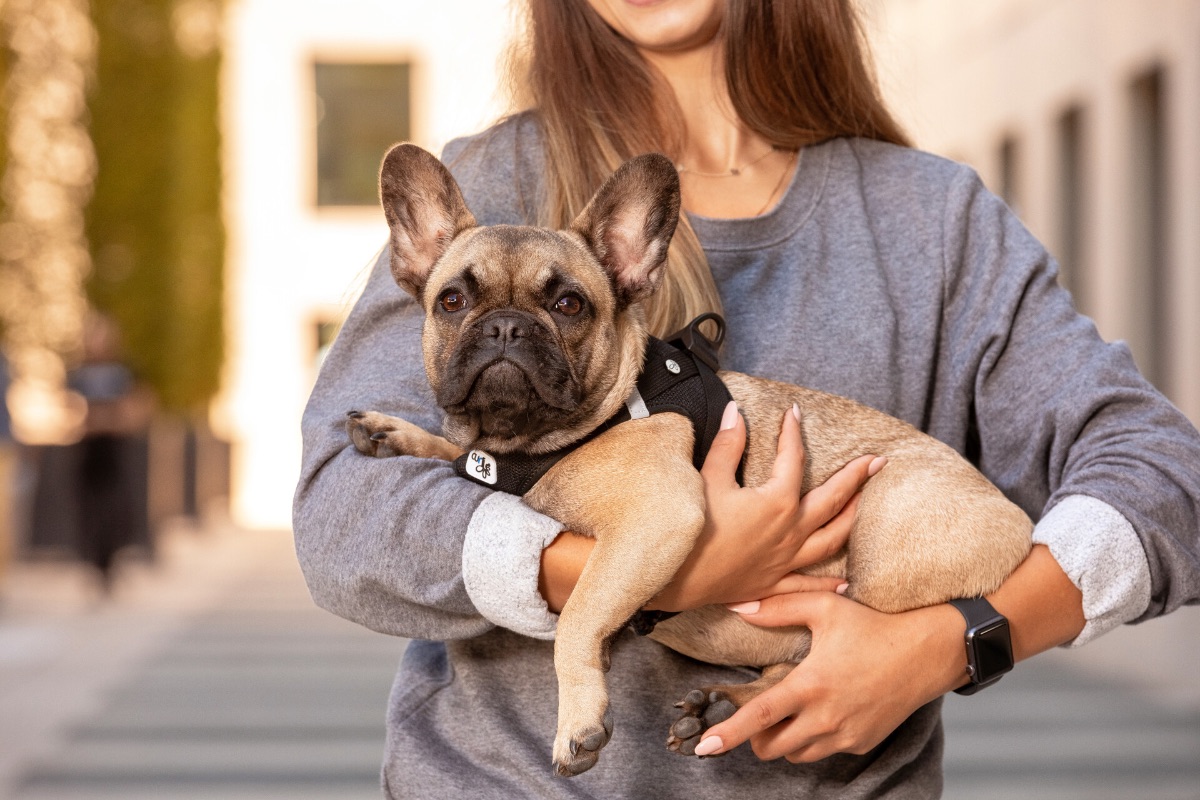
{"points": [[521, 258]]}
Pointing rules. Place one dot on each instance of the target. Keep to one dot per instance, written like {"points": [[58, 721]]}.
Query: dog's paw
{"points": [[369, 433], [579, 751], [381, 436], [375, 434], [701, 710]]}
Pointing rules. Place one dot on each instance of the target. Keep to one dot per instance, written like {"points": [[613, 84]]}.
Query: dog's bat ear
{"points": [[425, 211], [629, 223]]}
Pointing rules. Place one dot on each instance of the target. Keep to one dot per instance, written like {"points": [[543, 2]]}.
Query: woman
{"points": [[842, 260]]}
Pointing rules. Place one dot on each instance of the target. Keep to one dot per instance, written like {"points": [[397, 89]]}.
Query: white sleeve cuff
{"points": [[1103, 556], [502, 559]]}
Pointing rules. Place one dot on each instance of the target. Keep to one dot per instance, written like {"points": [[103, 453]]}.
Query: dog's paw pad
{"points": [[687, 727], [583, 750], [701, 710]]}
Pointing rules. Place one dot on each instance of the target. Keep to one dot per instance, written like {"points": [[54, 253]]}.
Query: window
{"points": [[362, 109], [1149, 280], [325, 331], [1010, 173], [1072, 211]]}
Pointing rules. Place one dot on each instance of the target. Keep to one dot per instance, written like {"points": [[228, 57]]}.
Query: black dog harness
{"points": [[679, 376]]}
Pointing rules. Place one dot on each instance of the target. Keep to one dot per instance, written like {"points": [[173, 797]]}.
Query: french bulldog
{"points": [[534, 338]]}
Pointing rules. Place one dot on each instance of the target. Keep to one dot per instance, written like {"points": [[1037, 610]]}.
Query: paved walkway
{"points": [[211, 675]]}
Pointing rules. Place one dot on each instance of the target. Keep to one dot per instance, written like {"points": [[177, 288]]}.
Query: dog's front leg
{"points": [[645, 514], [382, 436]]}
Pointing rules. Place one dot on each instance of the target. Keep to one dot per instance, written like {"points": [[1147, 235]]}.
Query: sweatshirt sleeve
{"points": [[403, 545], [1064, 423], [1100, 552]]}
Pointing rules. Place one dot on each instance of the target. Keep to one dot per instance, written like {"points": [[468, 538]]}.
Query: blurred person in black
{"points": [[112, 505], [90, 498]]}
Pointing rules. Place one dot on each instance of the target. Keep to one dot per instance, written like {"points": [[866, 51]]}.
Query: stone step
{"points": [[1048, 733]]}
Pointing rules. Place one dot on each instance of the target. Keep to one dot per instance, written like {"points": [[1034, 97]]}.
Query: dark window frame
{"points": [[362, 107]]}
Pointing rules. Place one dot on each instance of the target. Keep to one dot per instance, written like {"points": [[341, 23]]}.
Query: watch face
{"points": [[993, 650]]}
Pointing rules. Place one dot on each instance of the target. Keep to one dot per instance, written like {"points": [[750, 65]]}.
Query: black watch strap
{"points": [[988, 643]]}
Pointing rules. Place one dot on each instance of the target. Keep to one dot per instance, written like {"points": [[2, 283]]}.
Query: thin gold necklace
{"points": [[787, 170], [730, 173]]}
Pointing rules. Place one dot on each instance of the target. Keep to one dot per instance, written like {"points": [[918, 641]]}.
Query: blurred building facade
{"points": [[1085, 116], [314, 94]]}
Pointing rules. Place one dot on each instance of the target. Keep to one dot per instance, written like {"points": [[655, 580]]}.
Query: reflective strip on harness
{"points": [[636, 405]]}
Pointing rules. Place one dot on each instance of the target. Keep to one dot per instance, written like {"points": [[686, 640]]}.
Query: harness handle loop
{"points": [[690, 338]]}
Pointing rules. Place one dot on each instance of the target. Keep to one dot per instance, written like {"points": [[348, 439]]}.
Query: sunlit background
{"points": [[187, 207]]}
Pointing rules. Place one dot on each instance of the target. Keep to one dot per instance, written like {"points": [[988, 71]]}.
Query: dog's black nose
{"points": [[506, 327]]}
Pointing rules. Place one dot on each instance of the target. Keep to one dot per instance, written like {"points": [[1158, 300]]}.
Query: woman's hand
{"points": [[755, 538], [866, 673]]}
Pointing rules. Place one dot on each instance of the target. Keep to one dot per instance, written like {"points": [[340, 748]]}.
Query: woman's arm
{"points": [[1063, 422], [869, 671]]}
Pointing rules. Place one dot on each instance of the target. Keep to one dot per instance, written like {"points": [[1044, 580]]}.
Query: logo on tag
{"points": [[482, 467]]}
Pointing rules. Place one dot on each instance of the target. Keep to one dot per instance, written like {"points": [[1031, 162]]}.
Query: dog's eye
{"points": [[453, 301], [569, 305]]}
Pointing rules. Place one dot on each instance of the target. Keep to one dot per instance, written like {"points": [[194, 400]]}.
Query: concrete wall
{"points": [[967, 76]]}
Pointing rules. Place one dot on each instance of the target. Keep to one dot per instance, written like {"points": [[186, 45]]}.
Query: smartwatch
{"points": [[989, 646]]}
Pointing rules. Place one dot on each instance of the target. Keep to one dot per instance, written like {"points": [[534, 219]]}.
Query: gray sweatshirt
{"points": [[885, 274]]}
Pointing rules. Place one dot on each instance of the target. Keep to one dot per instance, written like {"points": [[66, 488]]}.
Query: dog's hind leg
{"points": [[703, 708]]}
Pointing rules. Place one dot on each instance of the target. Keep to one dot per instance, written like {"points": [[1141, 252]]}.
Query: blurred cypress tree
{"points": [[3, 150], [3, 115], [4, 56], [154, 223]]}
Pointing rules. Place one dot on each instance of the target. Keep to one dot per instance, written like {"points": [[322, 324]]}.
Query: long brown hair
{"points": [[797, 72]]}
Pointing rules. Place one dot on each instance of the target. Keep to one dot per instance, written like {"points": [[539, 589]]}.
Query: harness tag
{"points": [[483, 467]]}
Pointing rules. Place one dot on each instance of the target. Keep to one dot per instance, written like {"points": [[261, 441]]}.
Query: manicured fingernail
{"points": [[744, 608], [876, 465], [729, 418], [796, 412], [709, 745], [841, 589]]}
